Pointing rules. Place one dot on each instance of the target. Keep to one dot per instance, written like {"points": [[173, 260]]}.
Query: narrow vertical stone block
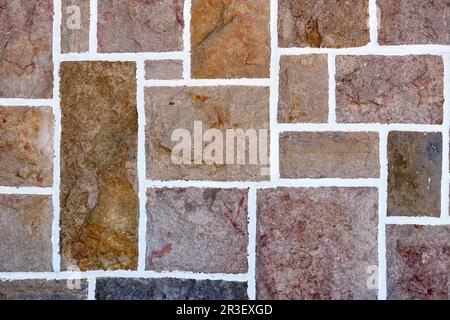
{"points": [[415, 167], [75, 25], [99, 204], [26, 66]]}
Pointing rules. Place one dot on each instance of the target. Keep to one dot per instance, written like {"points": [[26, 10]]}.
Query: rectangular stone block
{"points": [[329, 155], [415, 167], [164, 69], [319, 23], [25, 233], [26, 66], [413, 22], [390, 89], [198, 230], [99, 205], [418, 262], [140, 26], [316, 243], [303, 92], [168, 289], [75, 17], [43, 290], [230, 39], [26, 146], [186, 133]]}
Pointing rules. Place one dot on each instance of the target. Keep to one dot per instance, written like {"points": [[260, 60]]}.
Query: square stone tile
{"points": [[329, 155], [323, 23], [390, 89], [43, 290], [413, 22], [230, 39], [418, 262], [26, 66], [25, 233], [198, 230], [415, 168], [175, 113], [26, 146], [99, 202], [316, 243], [303, 92], [140, 26], [164, 69], [75, 25], [168, 289]]}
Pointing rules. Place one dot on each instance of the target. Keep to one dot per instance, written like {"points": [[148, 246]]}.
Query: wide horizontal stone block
{"points": [[72, 289]]}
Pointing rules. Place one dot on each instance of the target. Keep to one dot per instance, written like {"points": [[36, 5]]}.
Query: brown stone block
{"points": [[316, 243], [164, 69], [230, 39], [99, 205], [75, 26], [25, 233], [43, 290]]}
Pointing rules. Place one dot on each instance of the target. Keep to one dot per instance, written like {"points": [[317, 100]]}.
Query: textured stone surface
{"points": [[169, 109], [414, 22], [168, 289], [415, 166], [323, 23], [43, 290], [199, 230], [26, 146], [25, 233], [418, 262], [75, 25], [164, 69], [140, 25], [389, 89], [26, 67], [230, 39], [303, 89], [329, 155], [99, 205], [316, 243]]}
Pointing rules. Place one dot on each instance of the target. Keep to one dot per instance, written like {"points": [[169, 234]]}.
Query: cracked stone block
{"points": [[73, 289], [26, 65], [316, 243], [75, 26], [303, 93], [418, 262], [169, 289], [26, 146], [329, 155], [198, 230], [413, 22], [323, 23], [25, 233], [415, 167], [390, 89], [164, 69], [230, 39], [140, 26], [99, 204], [195, 110]]}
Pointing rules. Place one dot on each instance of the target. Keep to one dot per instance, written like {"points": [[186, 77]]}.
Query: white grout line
{"points": [[417, 220], [274, 93], [187, 40], [15, 102], [445, 141], [87, 56], [373, 23], [57, 134], [252, 217], [141, 164], [208, 82], [26, 190], [382, 211], [92, 282], [121, 274], [331, 89], [360, 127], [93, 27]]}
